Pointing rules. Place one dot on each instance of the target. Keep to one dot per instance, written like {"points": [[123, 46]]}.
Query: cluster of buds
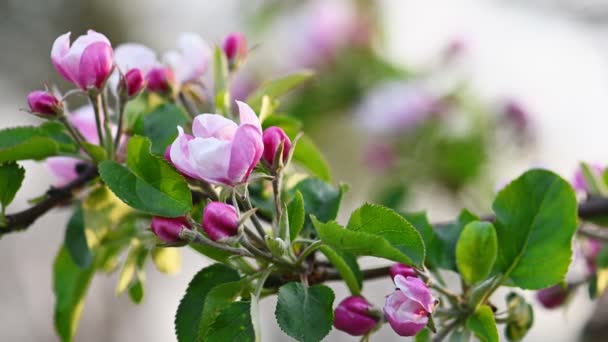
{"points": [[406, 309]]}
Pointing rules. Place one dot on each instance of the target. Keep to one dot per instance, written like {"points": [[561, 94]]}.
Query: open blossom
{"points": [[220, 220], [220, 151], [168, 229], [403, 270], [353, 316], [87, 62], [407, 309], [191, 60], [64, 168], [394, 107]]}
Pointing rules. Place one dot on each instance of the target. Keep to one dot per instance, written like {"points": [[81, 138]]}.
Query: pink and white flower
{"points": [[408, 308], [190, 62]]}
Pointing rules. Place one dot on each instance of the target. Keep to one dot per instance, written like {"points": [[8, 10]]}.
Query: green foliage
{"points": [[296, 214], [389, 225], [536, 218], [190, 311], [232, 324], [22, 143], [444, 247], [132, 266], [476, 251], [321, 200], [278, 87], [521, 317], [483, 325], [218, 298], [11, 177], [75, 240], [305, 313], [347, 266], [70, 284], [308, 155], [149, 184], [160, 126], [221, 77]]}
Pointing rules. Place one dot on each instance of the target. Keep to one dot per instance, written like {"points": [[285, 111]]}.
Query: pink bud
{"points": [[407, 309], [134, 80], [353, 316], [87, 62], [272, 138], [220, 221], [44, 103], [403, 270], [161, 80], [167, 229], [553, 296], [235, 47]]}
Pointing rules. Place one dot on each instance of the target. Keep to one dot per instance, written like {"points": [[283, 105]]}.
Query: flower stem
{"points": [[121, 104], [75, 136], [95, 99]]}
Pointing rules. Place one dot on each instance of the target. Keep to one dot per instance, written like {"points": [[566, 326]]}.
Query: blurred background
{"points": [[417, 104]]}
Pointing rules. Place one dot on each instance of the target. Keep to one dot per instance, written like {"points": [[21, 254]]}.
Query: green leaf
{"points": [[219, 298], [308, 155], [160, 126], [97, 152], [434, 247], [75, 240], [321, 200], [22, 143], [383, 222], [136, 291], [150, 184], [444, 247], [278, 87], [349, 271], [296, 212], [536, 218], [70, 284], [221, 77], [483, 325], [476, 251], [11, 177], [423, 336], [167, 260], [190, 310], [134, 262], [232, 324], [305, 313], [358, 243]]}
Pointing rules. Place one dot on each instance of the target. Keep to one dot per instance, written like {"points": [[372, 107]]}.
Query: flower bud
{"points": [[552, 297], [403, 270], [44, 103], [220, 221], [272, 138], [407, 309], [277, 246], [353, 316], [161, 80], [235, 47], [134, 82], [167, 229]]}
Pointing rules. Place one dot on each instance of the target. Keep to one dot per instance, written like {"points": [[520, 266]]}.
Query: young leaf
{"points": [[388, 224], [308, 155], [136, 290], [160, 126], [536, 218], [150, 184], [232, 324], [320, 199], [21, 143], [476, 251], [70, 284], [305, 313], [190, 309], [217, 299], [278, 87], [483, 325], [350, 272], [221, 77], [447, 238], [11, 177], [134, 262], [358, 243], [295, 211], [75, 240], [521, 317], [167, 260]]}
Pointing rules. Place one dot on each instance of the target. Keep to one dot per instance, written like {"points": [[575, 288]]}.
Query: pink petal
{"points": [[132, 55], [213, 126], [95, 65], [416, 290], [63, 168], [210, 157], [60, 48], [180, 154], [247, 116], [245, 152], [83, 120]]}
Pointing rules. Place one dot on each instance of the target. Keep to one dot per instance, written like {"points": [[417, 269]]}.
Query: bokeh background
{"points": [[549, 56]]}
